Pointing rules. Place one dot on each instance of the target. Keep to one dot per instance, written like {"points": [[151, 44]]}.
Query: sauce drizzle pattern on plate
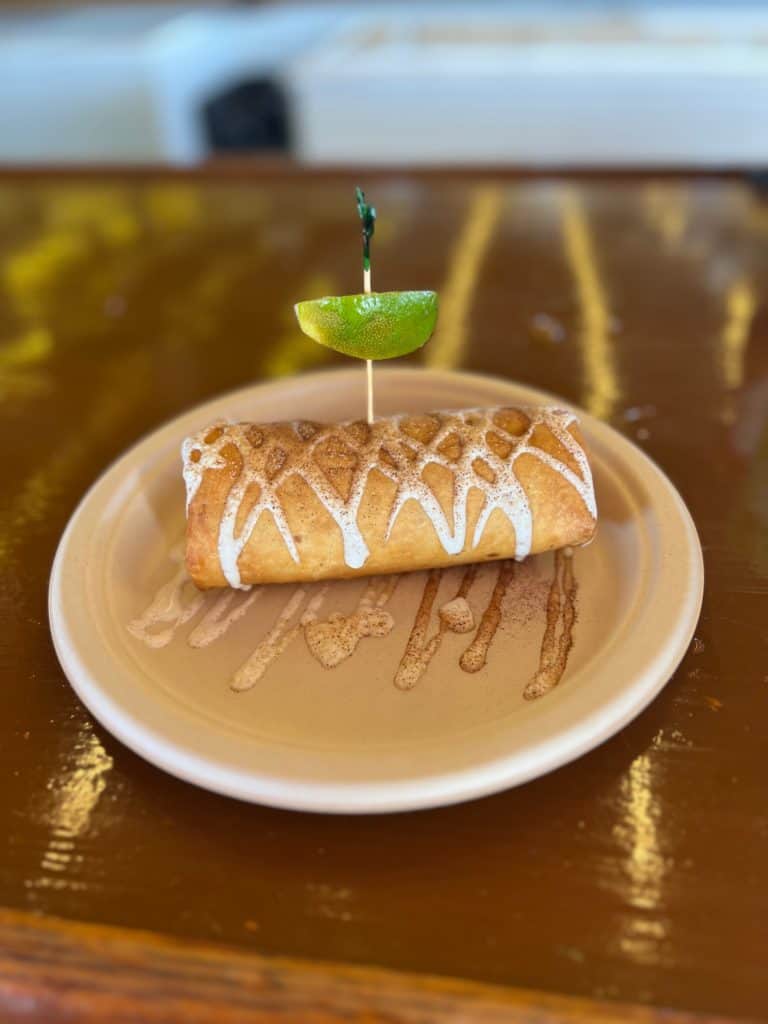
{"points": [[336, 638]]}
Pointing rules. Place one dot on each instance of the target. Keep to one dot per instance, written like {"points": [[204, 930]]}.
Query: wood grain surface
{"points": [[639, 874], [64, 972]]}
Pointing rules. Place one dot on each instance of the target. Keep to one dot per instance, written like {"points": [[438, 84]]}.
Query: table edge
{"points": [[53, 969], [281, 168]]}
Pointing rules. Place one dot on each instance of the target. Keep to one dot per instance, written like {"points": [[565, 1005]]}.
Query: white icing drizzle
{"points": [[230, 545], [279, 637], [404, 464], [192, 471], [223, 613], [168, 608]]}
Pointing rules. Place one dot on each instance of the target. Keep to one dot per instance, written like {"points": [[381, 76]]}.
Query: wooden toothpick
{"points": [[368, 217]]}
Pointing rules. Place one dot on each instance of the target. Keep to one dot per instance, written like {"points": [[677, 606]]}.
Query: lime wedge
{"points": [[378, 325]]}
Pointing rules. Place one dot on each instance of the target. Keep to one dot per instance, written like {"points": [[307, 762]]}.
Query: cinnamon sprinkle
{"points": [[558, 633], [476, 655]]}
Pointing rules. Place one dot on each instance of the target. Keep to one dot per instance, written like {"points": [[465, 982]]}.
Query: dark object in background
{"points": [[247, 117], [758, 181]]}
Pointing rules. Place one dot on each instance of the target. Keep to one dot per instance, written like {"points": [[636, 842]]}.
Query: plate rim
{"points": [[423, 791]]}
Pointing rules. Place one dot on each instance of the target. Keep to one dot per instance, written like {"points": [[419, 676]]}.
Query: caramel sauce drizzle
{"points": [[419, 651], [558, 633], [333, 640], [476, 655]]}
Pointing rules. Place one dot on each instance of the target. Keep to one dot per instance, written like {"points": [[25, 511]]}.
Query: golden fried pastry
{"points": [[300, 501]]}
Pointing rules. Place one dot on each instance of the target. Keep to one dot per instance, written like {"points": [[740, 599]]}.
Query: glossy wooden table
{"points": [[638, 874]]}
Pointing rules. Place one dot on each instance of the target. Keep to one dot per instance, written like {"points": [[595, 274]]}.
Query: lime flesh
{"points": [[377, 325]]}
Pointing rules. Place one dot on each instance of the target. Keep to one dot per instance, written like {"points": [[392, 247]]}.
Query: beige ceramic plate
{"points": [[346, 739]]}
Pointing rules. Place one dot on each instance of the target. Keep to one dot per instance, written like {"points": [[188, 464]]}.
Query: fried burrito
{"points": [[302, 501]]}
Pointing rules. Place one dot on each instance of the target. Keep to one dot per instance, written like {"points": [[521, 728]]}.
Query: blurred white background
{"points": [[531, 84]]}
